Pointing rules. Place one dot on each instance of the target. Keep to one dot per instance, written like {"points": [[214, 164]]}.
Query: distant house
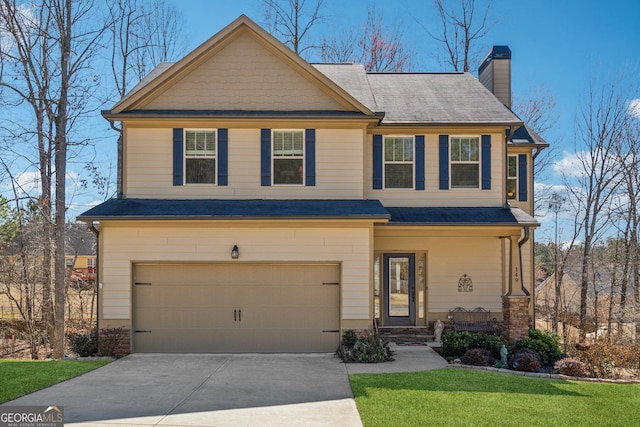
{"points": [[270, 205], [80, 252], [569, 295]]}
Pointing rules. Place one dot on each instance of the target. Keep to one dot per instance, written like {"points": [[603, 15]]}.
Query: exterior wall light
{"points": [[235, 254]]}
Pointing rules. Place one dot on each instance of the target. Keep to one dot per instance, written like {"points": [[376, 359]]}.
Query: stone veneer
{"points": [[115, 341], [515, 311]]}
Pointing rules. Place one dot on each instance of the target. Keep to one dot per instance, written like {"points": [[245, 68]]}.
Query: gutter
{"points": [[521, 243], [95, 231]]}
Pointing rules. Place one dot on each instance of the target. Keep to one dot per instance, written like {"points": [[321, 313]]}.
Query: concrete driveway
{"points": [[220, 390]]}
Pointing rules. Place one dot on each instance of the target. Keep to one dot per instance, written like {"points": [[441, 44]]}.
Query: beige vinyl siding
{"points": [[189, 242], [450, 254], [244, 76], [149, 168], [432, 195]]}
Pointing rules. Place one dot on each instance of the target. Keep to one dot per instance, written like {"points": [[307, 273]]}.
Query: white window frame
{"points": [[513, 178], [301, 157], [398, 162], [214, 156], [465, 162]]}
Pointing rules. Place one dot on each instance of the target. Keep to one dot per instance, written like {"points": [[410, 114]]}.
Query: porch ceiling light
{"points": [[235, 254]]}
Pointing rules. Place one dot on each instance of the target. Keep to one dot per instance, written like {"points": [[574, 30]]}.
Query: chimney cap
{"points": [[497, 52]]}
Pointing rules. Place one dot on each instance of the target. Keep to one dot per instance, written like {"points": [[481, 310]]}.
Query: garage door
{"points": [[236, 307]]}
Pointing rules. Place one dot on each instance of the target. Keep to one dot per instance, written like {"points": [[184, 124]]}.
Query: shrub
{"points": [[543, 342], [608, 357], [85, 345], [572, 366], [456, 344], [369, 348], [525, 360], [477, 357]]}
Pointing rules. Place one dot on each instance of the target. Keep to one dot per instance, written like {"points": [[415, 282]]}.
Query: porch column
{"points": [[515, 303]]}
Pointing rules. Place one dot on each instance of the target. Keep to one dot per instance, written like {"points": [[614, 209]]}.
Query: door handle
{"points": [[234, 316], [239, 315]]}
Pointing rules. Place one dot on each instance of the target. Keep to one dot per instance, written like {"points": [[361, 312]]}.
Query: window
{"points": [[465, 162], [398, 162], [288, 157], [200, 156], [512, 178], [68, 262]]}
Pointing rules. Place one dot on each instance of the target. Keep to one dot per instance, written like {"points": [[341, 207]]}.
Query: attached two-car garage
{"points": [[236, 307]]}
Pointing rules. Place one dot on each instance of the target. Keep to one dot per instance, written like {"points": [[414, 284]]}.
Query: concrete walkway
{"points": [[221, 389]]}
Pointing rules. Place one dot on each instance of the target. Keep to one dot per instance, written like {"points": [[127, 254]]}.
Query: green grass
{"points": [[20, 377], [457, 397]]}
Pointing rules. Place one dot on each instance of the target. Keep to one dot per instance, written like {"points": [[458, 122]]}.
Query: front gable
{"points": [[242, 68]]}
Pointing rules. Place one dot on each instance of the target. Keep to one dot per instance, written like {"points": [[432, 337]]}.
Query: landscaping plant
{"points": [[572, 367], [369, 348], [456, 344], [543, 342], [477, 357], [525, 360]]}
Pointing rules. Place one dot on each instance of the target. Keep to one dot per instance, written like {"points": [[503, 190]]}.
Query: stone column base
{"points": [[115, 342], [515, 311]]}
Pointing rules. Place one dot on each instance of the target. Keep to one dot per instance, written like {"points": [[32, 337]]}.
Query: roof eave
{"points": [[377, 218], [288, 115]]}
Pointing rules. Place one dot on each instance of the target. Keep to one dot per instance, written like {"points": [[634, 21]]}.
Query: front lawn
{"points": [[461, 397], [20, 377]]}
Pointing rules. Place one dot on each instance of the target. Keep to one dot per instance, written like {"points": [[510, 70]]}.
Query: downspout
{"points": [[508, 136], [95, 231], [521, 243]]}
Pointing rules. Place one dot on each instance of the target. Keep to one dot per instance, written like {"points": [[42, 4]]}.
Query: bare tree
{"points": [[142, 34], [25, 73], [539, 113], [58, 50], [461, 27], [291, 21], [596, 177], [376, 47]]}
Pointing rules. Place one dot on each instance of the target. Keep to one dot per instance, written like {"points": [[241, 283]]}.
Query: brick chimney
{"points": [[495, 73]]}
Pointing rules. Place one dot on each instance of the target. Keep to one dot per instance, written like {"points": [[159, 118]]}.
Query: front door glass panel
{"points": [[398, 287], [398, 305]]}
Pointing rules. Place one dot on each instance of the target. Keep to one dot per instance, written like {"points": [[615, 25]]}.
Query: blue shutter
{"points": [[265, 157], [419, 162], [223, 156], [443, 144], [377, 162], [178, 156], [522, 177], [486, 162], [310, 157]]}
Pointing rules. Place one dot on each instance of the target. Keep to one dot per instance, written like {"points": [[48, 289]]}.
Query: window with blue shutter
{"points": [[522, 177], [419, 162], [486, 162], [265, 157], [310, 157], [178, 153], [223, 156], [377, 162], [443, 148]]}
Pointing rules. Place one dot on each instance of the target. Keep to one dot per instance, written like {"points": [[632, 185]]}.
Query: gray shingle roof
{"points": [[460, 216], [150, 209], [429, 98]]}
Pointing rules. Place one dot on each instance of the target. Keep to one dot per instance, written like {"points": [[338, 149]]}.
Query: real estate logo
{"points": [[31, 416]]}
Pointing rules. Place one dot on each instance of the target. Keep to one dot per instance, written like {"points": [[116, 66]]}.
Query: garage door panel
{"points": [[278, 308]]}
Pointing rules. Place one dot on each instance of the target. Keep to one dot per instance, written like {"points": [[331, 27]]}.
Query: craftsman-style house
{"points": [[269, 205]]}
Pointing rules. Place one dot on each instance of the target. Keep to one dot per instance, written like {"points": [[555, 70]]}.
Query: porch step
{"points": [[419, 335]]}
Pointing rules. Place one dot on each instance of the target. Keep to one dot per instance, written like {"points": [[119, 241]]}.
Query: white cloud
{"points": [[568, 165], [634, 107]]}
